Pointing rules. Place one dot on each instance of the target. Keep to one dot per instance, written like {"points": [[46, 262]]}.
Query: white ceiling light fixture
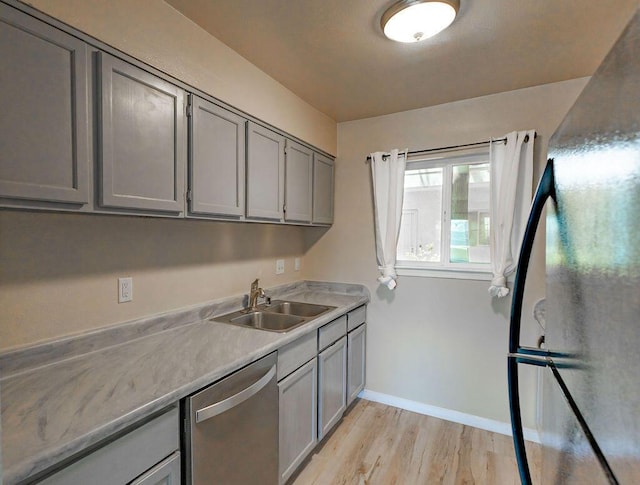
{"points": [[416, 20]]}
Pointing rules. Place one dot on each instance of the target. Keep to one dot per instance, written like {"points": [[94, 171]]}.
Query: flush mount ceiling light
{"points": [[416, 20]]}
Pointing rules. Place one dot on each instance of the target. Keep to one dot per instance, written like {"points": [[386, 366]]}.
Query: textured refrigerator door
{"points": [[568, 457], [593, 267]]}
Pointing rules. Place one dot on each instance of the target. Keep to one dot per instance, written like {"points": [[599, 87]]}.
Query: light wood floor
{"points": [[378, 444]]}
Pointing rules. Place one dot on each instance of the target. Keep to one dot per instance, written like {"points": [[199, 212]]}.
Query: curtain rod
{"points": [[465, 145]]}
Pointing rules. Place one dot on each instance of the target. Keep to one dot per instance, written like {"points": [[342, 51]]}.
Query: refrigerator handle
{"points": [[546, 189]]}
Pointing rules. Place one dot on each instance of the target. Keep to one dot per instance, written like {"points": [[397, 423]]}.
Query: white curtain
{"points": [[387, 171], [511, 179]]}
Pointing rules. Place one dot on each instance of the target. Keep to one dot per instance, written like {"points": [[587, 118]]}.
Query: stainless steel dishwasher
{"points": [[232, 428]]}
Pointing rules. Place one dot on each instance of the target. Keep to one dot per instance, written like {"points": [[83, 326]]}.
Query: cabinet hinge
{"points": [[188, 196], [284, 208], [189, 109]]}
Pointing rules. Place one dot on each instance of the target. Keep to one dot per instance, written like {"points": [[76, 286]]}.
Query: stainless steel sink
{"points": [[296, 308], [276, 322], [278, 316]]}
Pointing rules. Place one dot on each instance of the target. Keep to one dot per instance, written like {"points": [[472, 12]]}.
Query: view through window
{"points": [[445, 217]]}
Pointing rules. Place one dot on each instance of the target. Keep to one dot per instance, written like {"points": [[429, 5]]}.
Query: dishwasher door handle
{"points": [[232, 401]]}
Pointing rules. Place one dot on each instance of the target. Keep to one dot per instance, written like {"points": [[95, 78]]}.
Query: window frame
{"points": [[447, 159]]}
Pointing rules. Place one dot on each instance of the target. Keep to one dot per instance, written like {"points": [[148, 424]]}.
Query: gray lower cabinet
{"points": [[332, 386], [356, 362], [265, 173], [322, 189], [166, 472], [147, 454], [142, 150], [298, 183], [44, 120], [217, 160], [298, 417]]}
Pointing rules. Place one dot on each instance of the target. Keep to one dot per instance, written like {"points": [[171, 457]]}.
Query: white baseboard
{"points": [[447, 414]]}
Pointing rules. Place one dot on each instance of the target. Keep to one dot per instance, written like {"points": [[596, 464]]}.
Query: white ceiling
{"points": [[332, 53]]}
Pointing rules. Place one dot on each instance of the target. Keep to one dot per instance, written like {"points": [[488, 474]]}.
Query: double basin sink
{"points": [[277, 316]]}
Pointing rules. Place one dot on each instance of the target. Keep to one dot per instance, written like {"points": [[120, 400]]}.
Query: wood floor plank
{"points": [[376, 444], [464, 470], [444, 460], [401, 438], [423, 448]]}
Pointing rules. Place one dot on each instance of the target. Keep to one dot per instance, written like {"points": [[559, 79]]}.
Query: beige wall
{"points": [[159, 35], [58, 272], [440, 342]]}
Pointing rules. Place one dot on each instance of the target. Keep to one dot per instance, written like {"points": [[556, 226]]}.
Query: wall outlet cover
{"points": [[296, 264], [125, 289], [279, 266]]}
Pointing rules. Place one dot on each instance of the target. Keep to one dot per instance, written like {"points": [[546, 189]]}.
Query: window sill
{"points": [[450, 273]]}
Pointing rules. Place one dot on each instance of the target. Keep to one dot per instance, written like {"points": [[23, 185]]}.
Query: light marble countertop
{"points": [[60, 398]]}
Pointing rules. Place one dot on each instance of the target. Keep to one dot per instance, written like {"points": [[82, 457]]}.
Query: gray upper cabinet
{"points": [[142, 140], [81, 129], [322, 189], [217, 160], [265, 173], [44, 132], [298, 183]]}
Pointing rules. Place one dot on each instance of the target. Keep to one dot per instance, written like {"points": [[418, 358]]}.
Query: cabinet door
{"points": [[44, 144], [332, 378], [322, 189], [298, 417], [216, 167], [356, 362], [265, 173], [142, 149], [167, 472], [298, 182]]}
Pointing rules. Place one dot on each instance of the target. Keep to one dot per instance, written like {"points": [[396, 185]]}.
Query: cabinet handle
{"points": [[232, 401]]}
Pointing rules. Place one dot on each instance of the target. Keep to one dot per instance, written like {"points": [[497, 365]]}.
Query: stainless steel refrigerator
{"points": [[591, 355]]}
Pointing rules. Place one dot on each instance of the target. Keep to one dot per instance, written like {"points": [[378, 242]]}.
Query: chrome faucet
{"points": [[256, 293]]}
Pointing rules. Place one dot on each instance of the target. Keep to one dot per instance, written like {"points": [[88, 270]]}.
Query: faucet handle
{"points": [[261, 294]]}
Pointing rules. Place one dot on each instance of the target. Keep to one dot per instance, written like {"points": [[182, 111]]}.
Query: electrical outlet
{"points": [[125, 289], [296, 264], [279, 266]]}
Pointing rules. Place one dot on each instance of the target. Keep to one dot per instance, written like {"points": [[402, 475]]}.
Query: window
{"points": [[445, 219]]}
